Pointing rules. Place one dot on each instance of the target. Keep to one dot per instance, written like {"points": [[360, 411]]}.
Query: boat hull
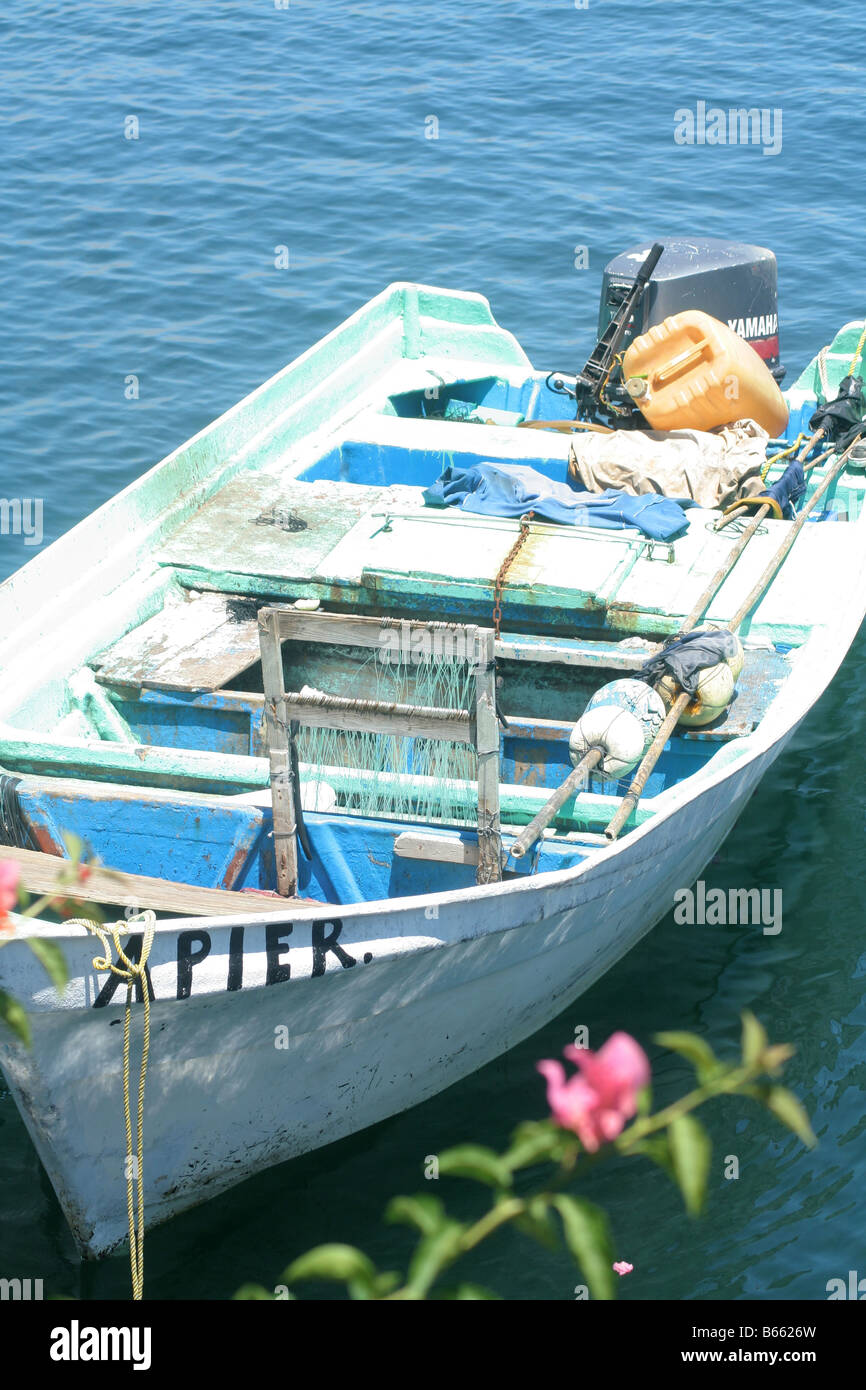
{"points": [[242, 1079]]}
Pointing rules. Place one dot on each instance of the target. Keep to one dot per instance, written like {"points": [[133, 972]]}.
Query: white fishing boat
{"points": [[271, 637]]}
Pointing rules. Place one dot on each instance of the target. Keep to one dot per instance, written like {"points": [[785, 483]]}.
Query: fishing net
{"points": [[394, 776]]}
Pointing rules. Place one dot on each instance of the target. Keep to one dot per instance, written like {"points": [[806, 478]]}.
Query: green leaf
{"points": [[588, 1238], [691, 1152], [342, 1263], [538, 1223], [644, 1101], [425, 1212], [754, 1039], [476, 1162], [432, 1254], [786, 1107], [694, 1049], [248, 1293], [74, 846], [51, 957], [467, 1291], [14, 1016], [533, 1142], [385, 1283], [656, 1147]]}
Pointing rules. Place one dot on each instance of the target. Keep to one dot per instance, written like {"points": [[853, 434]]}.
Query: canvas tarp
{"points": [[713, 468]]}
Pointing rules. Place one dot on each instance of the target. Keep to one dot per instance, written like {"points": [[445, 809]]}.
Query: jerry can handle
{"points": [[681, 364]]}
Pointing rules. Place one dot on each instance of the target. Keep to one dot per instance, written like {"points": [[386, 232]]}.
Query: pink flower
{"points": [[598, 1099], [10, 873], [9, 876], [622, 1267]]}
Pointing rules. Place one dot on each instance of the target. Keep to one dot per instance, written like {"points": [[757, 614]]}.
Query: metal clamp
{"points": [[670, 557]]}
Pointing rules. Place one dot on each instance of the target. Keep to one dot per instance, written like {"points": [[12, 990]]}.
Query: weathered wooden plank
{"points": [[437, 849], [401, 638], [187, 769], [271, 527], [455, 849], [276, 718], [487, 748], [558, 566], [322, 711], [195, 645], [657, 596], [42, 873], [565, 651]]}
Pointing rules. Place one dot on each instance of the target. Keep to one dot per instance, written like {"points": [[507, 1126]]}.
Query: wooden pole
{"points": [[564, 426], [487, 747], [277, 724], [723, 571], [651, 757], [539, 823]]}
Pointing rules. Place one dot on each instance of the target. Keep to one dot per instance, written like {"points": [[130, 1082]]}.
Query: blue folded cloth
{"points": [[511, 489], [788, 489]]}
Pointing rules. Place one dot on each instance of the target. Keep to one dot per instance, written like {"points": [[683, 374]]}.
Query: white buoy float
{"points": [[623, 718], [618, 725], [715, 690]]}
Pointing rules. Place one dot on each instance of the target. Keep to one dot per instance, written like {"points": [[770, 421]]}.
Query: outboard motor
{"points": [[731, 280]]}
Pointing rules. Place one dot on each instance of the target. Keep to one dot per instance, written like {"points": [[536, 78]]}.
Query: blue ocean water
{"points": [[161, 164]]}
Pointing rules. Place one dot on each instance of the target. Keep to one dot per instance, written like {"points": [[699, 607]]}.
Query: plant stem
{"points": [[730, 1081]]}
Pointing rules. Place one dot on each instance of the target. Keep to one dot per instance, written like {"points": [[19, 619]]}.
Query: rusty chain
{"points": [[505, 567]]}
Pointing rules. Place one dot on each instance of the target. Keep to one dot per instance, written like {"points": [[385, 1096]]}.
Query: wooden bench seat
{"points": [[199, 643], [46, 873]]}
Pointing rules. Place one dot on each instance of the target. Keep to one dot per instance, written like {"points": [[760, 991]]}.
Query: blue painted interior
{"points": [[532, 399], [798, 421], [202, 845], [362, 461], [353, 859], [177, 720], [185, 720], [366, 462]]}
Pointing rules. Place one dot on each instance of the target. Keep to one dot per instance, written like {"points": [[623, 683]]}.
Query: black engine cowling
{"points": [[731, 280]]}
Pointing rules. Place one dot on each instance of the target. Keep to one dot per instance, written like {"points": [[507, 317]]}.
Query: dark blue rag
{"points": [[511, 489]]}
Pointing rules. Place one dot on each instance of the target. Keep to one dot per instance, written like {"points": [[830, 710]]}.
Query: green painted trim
{"points": [[838, 361], [188, 769]]}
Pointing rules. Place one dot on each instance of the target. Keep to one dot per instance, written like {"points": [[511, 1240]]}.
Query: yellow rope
{"points": [[783, 455], [859, 353], [131, 971]]}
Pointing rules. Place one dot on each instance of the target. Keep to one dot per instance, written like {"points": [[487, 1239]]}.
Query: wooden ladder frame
{"points": [[479, 728]]}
